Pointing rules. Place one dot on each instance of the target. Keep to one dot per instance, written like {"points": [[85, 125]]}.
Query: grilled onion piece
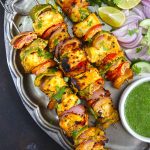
{"points": [[23, 39]]}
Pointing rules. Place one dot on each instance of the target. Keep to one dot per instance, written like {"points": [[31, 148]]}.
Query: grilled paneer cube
{"points": [[120, 80], [37, 10], [111, 61], [73, 62], [70, 122], [47, 20], [58, 36], [88, 92], [120, 74], [81, 29], [103, 44], [68, 101], [86, 145], [107, 121], [76, 10], [104, 108], [50, 82], [78, 13], [44, 66], [34, 55], [83, 80], [90, 145], [91, 133]]}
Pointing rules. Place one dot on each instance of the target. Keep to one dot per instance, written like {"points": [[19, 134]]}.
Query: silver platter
{"points": [[36, 102]]}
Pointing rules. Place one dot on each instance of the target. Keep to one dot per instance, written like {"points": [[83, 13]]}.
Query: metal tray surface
{"points": [[35, 101]]}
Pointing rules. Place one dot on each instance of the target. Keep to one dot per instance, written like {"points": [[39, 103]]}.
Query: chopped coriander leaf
{"points": [[59, 94], [56, 42], [89, 41], [48, 55], [74, 133], [40, 52], [57, 88], [89, 23], [138, 49], [40, 24], [66, 79], [83, 13], [92, 112], [53, 70], [132, 32], [136, 69]]}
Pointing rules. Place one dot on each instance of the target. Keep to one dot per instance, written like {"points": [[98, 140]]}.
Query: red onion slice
{"points": [[97, 94], [146, 3], [127, 38], [145, 57], [134, 43], [146, 10], [133, 54], [139, 12], [79, 110], [121, 31], [133, 19]]}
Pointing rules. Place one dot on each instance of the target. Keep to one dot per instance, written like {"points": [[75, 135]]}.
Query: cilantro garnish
{"points": [[40, 24], [138, 49], [60, 92], [89, 23], [83, 13], [46, 55], [136, 69], [56, 42], [132, 32], [53, 70]]}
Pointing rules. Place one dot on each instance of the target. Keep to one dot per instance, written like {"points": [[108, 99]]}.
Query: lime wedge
{"points": [[127, 4], [112, 16]]}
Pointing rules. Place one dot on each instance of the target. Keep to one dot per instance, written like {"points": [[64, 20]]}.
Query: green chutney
{"points": [[137, 109]]}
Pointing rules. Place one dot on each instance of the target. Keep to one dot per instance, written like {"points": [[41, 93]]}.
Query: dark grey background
{"points": [[17, 129]]}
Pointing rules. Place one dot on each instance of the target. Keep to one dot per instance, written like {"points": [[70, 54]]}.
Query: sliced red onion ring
{"points": [[57, 49], [146, 3], [145, 57], [79, 110], [127, 38], [135, 42], [146, 10], [133, 54], [97, 94], [139, 12], [133, 18], [121, 31]]}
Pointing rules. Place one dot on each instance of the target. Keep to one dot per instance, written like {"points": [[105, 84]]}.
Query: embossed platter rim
{"points": [[35, 110]]}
